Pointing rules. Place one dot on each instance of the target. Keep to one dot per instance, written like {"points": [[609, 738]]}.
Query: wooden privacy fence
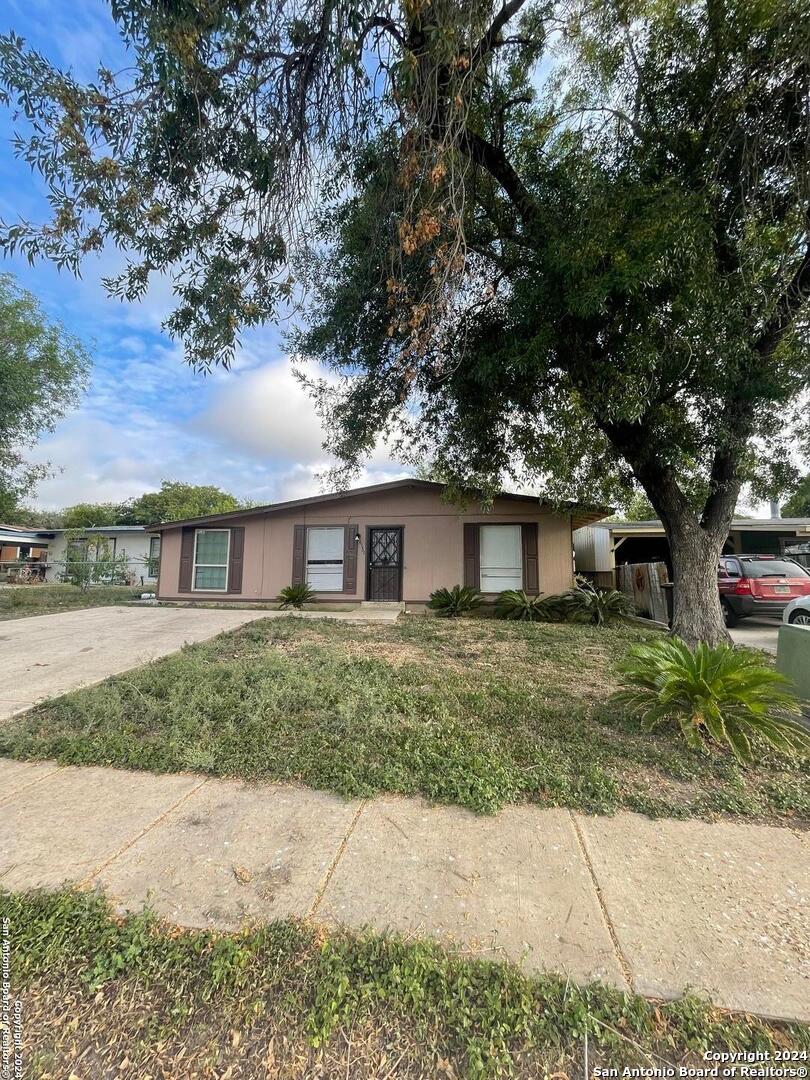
{"points": [[643, 583]]}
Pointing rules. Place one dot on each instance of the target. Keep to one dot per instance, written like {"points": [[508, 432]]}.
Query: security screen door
{"points": [[385, 564]]}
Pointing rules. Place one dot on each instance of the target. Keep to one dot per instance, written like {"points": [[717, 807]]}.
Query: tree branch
{"points": [[787, 308], [379, 22], [487, 42], [497, 164]]}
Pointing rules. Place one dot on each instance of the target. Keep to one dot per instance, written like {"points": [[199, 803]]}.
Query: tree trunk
{"points": [[695, 544], [695, 551]]}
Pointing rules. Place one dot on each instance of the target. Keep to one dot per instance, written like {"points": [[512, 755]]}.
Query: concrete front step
{"points": [[651, 906]]}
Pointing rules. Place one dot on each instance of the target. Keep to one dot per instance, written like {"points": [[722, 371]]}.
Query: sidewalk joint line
{"points": [[25, 787], [622, 959], [319, 895], [85, 882]]}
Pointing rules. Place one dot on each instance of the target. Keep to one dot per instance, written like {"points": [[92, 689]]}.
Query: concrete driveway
{"points": [[757, 633], [48, 655]]}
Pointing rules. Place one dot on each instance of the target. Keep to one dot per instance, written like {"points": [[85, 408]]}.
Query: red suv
{"points": [[759, 585]]}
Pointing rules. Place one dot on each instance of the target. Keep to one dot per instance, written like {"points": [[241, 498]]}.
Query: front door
{"points": [[384, 564]]}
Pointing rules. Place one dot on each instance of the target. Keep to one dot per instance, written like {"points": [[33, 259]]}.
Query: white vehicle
{"points": [[797, 612]]}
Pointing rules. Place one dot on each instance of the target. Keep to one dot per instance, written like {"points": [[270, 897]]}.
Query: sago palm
{"points": [[717, 691], [586, 603], [515, 604], [450, 603]]}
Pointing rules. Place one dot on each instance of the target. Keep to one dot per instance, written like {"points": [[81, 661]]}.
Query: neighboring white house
{"points": [[136, 553]]}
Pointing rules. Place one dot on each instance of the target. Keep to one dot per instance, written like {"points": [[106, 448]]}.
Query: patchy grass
{"points": [[134, 998], [20, 600], [475, 712]]}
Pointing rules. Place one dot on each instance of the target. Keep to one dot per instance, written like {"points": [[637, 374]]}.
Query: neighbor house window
{"points": [[325, 559], [211, 559], [501, 558], [154, 557]]}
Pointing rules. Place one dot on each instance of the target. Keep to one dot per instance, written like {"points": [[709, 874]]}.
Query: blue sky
{"points": [[252, 430]]}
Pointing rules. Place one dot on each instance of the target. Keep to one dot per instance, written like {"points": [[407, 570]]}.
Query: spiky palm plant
{"points": [[515, 604], [717, 691], [450, 603], [586, 603], [296, 595]]}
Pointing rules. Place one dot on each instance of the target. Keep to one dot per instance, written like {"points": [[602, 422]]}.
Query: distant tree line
{"points": [[174, 501]]}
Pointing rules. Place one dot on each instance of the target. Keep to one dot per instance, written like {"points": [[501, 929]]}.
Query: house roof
{"points": [[104, 529], [654, 527], [19, 534], [582, 514]]}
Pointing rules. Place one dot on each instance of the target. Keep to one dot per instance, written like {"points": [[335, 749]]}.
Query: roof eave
{"points": [[587, 513]]}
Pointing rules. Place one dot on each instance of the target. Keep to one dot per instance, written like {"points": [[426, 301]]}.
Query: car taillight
{"points": [[742, 586]]}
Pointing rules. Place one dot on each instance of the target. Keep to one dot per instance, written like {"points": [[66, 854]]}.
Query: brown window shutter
{"points": [[299, 545], [186, 559], [349, 559], [531, 570], [236, 558], [472, 555]]}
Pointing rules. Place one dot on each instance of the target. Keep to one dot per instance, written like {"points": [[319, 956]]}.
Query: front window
{"points": [[211, 559], [501, 558], [154, 556], [325, 559]]}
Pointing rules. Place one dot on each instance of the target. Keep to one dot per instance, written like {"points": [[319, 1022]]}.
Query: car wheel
{"points": [[729, 615], [799, 618]]}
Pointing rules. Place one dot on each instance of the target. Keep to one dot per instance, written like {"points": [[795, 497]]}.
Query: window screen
{"points": [[501, 558], [153, 563], [211, 559], [325, 559]]}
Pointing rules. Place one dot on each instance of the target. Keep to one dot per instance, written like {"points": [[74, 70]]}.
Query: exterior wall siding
{"points": [[134, 545], [433, 544]]}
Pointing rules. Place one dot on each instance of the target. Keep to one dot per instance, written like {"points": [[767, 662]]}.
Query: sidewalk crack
{"points": [[85, 882], [319, 895], [18, 791], [620, 957]]}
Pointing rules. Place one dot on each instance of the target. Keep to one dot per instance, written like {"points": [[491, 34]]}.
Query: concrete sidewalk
{"points": [[652, 906]]}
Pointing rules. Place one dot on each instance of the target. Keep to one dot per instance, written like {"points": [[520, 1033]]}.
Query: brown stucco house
{"points": [[393, 542]]}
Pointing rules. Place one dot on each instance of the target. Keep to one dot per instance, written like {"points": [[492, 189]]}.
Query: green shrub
{"points": [[586, 603], [296, 596], [450, 603], [515, 604], [717, 691]]}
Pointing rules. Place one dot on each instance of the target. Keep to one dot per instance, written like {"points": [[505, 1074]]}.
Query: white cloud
{"points": [[265, 412]]}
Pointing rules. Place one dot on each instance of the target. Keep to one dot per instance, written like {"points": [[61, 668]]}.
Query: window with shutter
{"points": [[325, 548], [501, 558], [211, 548]]}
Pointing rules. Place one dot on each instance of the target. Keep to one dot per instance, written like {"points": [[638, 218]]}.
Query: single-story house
{"points": [[20, 546], [600, 547], [394, 542], [43, 554], [135, 549]]}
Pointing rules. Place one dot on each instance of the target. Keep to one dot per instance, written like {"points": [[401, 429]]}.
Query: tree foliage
{"points": [[86, 515], [798, 505], [176, 501], [43, 371]]}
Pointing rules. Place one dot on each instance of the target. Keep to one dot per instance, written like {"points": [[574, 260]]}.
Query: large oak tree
{"points": [[603, 280]]}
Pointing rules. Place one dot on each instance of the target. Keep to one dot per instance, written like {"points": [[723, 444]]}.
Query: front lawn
{"points": [[134, 998], [473, 711], [17, 601]]}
